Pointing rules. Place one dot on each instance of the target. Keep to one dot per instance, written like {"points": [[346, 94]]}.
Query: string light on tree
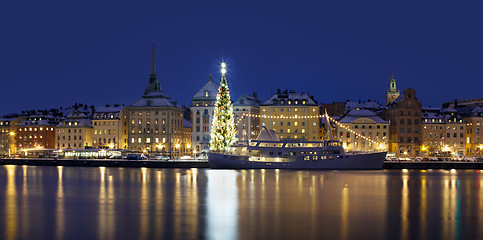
{"points": [[223, 126]]}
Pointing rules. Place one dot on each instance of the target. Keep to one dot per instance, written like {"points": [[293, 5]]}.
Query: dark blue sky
{"points": [[55, 53]]}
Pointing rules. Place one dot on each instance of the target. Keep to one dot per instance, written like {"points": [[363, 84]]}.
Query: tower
{"points": [[153, 84], [392, 93]]}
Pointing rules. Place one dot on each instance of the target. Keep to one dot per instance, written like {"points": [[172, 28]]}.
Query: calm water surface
{"points": [[133, 203]]}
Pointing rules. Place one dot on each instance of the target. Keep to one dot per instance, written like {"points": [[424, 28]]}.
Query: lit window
{"points": [[139, 140]]}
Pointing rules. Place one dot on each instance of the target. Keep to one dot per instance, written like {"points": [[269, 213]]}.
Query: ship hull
{"points": [[370, 161]]}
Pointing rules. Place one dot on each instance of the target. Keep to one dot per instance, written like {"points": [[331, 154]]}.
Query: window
{"points": [[401, 121]]}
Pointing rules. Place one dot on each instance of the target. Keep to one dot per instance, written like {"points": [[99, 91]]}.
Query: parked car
{"points": [[135, 157]]}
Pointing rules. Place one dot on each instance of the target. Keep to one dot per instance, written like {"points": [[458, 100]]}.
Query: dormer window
{"points": [[207, 93]]}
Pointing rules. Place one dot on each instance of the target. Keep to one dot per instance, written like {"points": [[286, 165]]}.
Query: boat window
{"points": [[306, 158], [271, 153], [279, 154], [314, 158]]}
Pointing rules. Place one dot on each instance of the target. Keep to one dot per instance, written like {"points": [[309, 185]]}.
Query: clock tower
{"points": [[392, 93]]}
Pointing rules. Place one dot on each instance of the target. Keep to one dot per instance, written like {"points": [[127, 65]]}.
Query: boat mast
{"points": [[328, 134]]}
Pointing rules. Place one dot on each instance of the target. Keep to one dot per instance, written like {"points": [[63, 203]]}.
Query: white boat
{"points": [[269, 152]]}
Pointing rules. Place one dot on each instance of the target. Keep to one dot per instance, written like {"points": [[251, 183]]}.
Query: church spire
{"points": [[153, 68], [153, 84]]}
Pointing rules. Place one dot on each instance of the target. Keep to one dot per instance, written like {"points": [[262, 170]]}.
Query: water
{"points": [[133, 203]]}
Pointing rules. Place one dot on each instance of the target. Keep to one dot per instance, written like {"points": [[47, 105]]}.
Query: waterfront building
{"points": [[294, 116], [156, 122], [443, 133], [474, 130], [8, 126], [202, 107], [472, 112], [247, 121], [364, 123], [404, 117], [37, 132], [75, 132], [433, 127], [392, 93], [110, 127]]}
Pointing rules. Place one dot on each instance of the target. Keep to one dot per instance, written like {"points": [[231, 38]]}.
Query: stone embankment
{"points": [[107, 163], [204, 164]]}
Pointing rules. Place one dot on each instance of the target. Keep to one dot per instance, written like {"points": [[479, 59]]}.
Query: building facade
{"points": [[294, 116], [75, 132], [110, 127], [474, 131], [363, 123], [247, 117], [37, 132], [404, 117], [202, 107], [8, 126], [443, 133], [156, 123]]}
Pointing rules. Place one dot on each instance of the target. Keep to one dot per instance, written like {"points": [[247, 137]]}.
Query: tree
{"points": [[223, 125]]}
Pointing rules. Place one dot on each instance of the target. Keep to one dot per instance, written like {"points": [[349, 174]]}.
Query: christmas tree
{"points": [[223, 125]]}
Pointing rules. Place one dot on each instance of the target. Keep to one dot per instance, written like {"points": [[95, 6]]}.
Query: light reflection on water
{"points": [[129, 203]]}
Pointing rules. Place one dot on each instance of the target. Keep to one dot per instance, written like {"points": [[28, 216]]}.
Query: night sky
{"points": [[56, 53]]}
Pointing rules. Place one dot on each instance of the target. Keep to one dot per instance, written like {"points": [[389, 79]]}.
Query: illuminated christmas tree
{"points": [[223, 125]]}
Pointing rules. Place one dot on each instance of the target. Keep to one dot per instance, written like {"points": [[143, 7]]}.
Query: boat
{"points": [[269, 152]]}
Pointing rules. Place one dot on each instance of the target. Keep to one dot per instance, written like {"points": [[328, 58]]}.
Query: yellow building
{"points": [[110, 127], [363, 130], [474, 131], [294, 116], [75, 132], [433, 132], [8, 126]]}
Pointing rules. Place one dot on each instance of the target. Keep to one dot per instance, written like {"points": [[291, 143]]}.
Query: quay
{"points": [[194, 163], [431, 165], [107, 163]]}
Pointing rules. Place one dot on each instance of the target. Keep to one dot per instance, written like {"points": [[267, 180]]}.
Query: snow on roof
{"points": [[448, 110], [282, 99], [212, 89], [247, 100], [76, 122], [186, 123], [356, 114], [153, 102]]}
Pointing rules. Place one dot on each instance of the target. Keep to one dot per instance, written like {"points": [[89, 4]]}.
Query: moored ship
{"points": [[268, 152]]}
